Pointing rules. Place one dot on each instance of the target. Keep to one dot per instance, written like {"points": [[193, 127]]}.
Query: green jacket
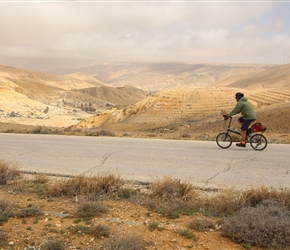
{"points": [[245, 108]]}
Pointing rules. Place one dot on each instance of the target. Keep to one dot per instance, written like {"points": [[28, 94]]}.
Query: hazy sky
{"points": [[167, 31]]}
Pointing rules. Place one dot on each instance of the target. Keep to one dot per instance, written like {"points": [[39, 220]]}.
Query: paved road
{"points": [[202, 163]]}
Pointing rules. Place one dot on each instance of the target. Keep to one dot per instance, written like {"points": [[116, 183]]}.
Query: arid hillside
{"points": [[192, 113], [190, 110], [29, 97], [195, 112]]}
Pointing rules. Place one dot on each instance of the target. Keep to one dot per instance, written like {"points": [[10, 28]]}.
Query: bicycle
{"points": [[254, 136]]}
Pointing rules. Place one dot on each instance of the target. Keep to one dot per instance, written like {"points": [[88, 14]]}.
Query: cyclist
{"points": [[244, 107]]}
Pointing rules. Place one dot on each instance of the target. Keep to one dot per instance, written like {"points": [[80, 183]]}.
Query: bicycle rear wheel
{"points": [[224, 140], [258, 142]]}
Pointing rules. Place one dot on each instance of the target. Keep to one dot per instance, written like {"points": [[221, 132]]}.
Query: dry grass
{"points": [[3, 237], [81, 185], [168, 189], [254, 196], [6, 211], [131, 242], [7, 172], [53, 244], [90, 209], [94, 230], [243, 213], [223, 202], [201, 224]]}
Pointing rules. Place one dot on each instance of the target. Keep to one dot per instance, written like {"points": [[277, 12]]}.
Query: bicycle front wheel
{"points": [[224, 140], [258, 142]]}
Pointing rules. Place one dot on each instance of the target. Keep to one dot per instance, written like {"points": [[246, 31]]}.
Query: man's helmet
{"points": [[239, 95]]}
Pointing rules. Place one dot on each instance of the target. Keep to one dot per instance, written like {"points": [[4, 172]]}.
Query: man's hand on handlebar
{"points": [[226, 116]]}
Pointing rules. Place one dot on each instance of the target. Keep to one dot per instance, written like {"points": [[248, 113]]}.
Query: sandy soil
{"points": [[122, 218]]}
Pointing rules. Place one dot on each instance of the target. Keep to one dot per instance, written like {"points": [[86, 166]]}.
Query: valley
{"points": [[185, 101]]}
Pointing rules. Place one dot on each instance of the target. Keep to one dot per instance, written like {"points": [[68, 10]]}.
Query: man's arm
{"points": [[237, 109]]}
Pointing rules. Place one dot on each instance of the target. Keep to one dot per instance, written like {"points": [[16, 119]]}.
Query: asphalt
{"points": [[202, 163]]}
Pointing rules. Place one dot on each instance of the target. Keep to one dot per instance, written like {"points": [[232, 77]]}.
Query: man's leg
{"points": [[244, 136], [243, 133]]}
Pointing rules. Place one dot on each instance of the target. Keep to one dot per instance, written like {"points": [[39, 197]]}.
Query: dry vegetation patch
{"points": [[104, 212]]}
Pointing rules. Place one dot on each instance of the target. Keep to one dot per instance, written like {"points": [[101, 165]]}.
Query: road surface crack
{"points": [[226, 170], [230, 165], [105, 158]]}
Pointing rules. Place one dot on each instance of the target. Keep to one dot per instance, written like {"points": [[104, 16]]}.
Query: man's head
{"points": [[239, 95]]}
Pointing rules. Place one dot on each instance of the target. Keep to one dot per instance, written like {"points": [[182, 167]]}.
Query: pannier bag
{"points": [[258, 127]]}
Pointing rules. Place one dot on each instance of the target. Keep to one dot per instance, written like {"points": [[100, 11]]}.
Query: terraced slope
{"points": [[193, 111], [167, 108], [270, 97]]}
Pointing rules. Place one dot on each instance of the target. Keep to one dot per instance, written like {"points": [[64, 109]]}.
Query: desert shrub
{"points": [[155, 225], [172, 197], [6, 211], [90, 209], [222, 203], [96, 230], [186, 234], [171, 208], [23, 185], [201, 224], [107, 184], [29, 211], [105, 133], [3, 237], [37, 130], [186, 136], [7, 173], [254, 196], [266, 225], [41, 179], [132, 242], [169, 189], [228, 201], [53, 245], [126, 193]]}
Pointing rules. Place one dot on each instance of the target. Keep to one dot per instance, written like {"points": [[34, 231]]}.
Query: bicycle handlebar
{"points": [[226, 117]]}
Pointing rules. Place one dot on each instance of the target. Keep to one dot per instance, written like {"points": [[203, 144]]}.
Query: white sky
{"points": [[166, 31]]}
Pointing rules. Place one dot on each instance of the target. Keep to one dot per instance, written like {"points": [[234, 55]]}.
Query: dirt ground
{"points": [[122, 218]]}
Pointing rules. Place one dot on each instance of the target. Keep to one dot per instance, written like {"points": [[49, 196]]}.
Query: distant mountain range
{"points": [[157, 76]]}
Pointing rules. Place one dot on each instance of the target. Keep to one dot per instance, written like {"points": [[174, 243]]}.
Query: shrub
{"points": [[254, 196], [53, 245], [153, 225], [107, 184], [186, 233], [105, 133], [7, 173], [224, 202], [132, 242], [41, 179], [201, 224], [98, 230], [169, 189], [171, 208], [266, 225], [126, 193], [29, 211], [90, 209], [3, 237], [5, 211]]}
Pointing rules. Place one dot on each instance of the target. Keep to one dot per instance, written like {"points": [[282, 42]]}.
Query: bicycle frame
{"points": [[232, 130]]}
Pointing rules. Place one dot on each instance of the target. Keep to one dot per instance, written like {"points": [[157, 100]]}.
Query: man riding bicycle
{"points": [[244, 107]]}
